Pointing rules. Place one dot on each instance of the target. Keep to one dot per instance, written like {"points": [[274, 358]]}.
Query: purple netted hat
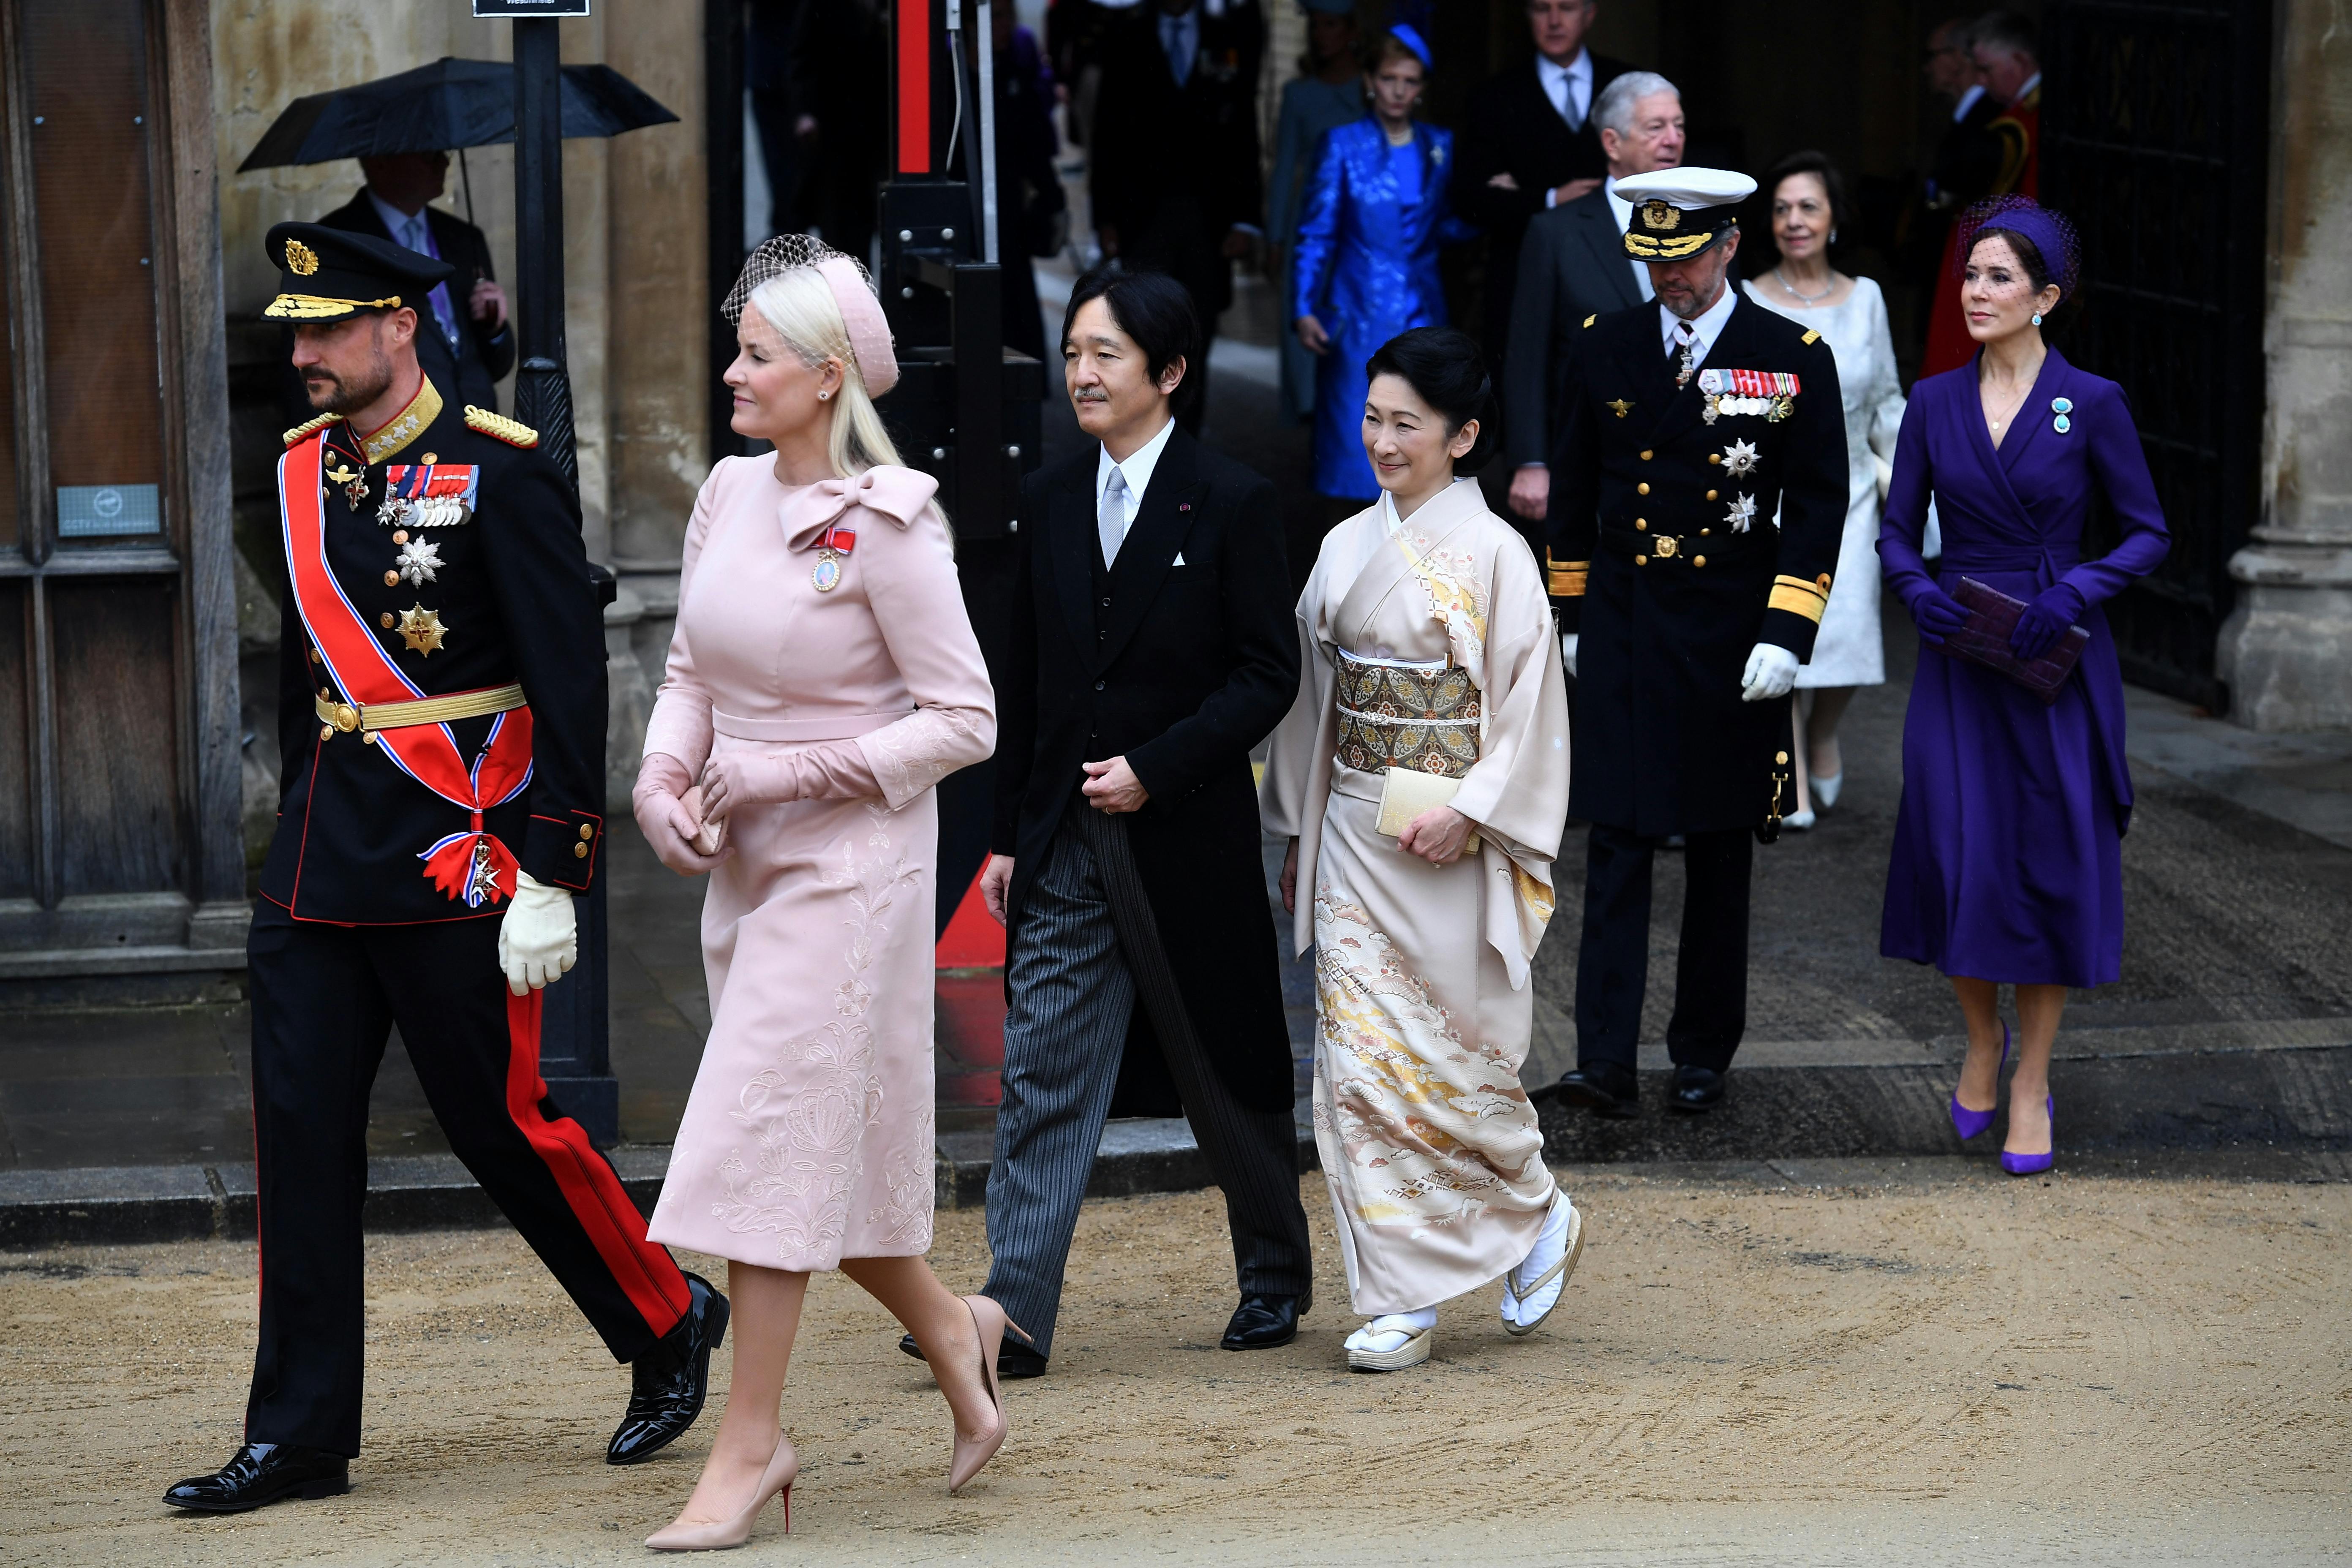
{"points": [[2046, 230]]}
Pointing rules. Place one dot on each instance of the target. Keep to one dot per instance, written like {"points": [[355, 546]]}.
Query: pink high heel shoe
{"points": [[972, 1454], [717, 1535]]}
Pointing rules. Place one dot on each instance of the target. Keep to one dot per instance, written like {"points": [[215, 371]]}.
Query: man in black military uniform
{"points": [[441, 715], [1698, 500]]}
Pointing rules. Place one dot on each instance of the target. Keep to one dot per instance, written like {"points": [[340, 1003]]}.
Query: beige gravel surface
{"points": [[1917, 1363]]}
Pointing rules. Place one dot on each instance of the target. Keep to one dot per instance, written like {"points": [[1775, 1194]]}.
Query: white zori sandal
{"points": [[1393, 1341], [1527, 1302]]}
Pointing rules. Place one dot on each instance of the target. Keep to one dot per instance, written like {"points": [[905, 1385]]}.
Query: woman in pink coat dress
{"points": [[822, 679]]}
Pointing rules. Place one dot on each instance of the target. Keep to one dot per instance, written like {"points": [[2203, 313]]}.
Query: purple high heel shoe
{"points": [[2034, 1164], [1968, 1123]]}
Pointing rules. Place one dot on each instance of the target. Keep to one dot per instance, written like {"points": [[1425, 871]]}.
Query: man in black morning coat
{"points": [[1152, 644], [441, 721], [1529, 144], [1692, 423]]}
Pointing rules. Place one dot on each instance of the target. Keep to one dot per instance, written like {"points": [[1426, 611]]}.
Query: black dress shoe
{"points": [[1262, 1321], [666, 1385], [263, 1473], [1012, 1361], [1695, 1090], [1605, 1089]]}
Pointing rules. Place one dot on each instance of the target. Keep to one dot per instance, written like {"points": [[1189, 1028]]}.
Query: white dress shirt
{"points": [[1624, 212], [1570, 88], [1968, 101], [1705, 330], [413, 231], [1137, 471]]}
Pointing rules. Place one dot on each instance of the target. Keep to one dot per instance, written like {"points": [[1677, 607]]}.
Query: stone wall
{"points": [[635, 294], [2286, 650]]}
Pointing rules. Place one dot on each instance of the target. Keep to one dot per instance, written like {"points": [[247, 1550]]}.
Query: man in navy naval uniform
{"points": [[441, 712], [1698, 500]]}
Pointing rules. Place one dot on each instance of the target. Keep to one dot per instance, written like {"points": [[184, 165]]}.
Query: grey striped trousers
{"points": [[1086, 950]]}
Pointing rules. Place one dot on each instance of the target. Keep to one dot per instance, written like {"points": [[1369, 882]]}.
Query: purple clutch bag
{"points": [[1992, 617]]}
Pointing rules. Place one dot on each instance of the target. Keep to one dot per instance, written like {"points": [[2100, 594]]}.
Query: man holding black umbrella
{"points": [[465, 318]]}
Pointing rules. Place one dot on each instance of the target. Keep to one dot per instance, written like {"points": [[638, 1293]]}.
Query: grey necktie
{"points": [[1110, 523]]}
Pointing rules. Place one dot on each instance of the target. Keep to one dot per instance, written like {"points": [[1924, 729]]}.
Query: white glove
{"points": [[1772, 672], [1568, 651], [538, 940]]}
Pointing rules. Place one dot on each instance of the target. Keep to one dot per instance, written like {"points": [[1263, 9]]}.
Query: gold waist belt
{"points": [[1419, 716], [374, 716]]}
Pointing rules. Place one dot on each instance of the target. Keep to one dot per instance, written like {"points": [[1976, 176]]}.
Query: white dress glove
{"points": [[1568, 652], [538, 940], [1772, 672]]}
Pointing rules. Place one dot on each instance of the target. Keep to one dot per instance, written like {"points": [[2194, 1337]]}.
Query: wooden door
{"points": [[118, 784]]}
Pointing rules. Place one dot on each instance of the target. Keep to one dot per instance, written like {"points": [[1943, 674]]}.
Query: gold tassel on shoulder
{"points": [[499, 428], [309, 427]]}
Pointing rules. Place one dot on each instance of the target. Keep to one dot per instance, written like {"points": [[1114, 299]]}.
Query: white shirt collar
{"points": [[1137, 469], [2032, 83], [395, 222], [1569, 83], [1706, 329], [1968, 101]]}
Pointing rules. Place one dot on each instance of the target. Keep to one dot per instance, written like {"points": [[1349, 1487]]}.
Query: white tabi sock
{"points": [[1551, 1246], [1391, 1330]]}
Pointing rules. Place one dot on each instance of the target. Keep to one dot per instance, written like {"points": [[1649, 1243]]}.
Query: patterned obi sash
{"points": [[1419, 716]]}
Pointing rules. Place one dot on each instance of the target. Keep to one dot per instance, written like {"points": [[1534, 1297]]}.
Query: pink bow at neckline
{"points": [[898, 494]]}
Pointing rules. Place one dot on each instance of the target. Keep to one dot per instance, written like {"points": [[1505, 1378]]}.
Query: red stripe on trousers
{"points": [[646, 1272]]}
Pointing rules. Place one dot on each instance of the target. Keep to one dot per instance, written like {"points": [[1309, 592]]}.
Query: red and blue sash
{"points": [[471, 865]]}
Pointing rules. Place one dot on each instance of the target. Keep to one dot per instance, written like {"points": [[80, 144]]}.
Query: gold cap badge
{"points": [[300, 259], [1660, 214]]}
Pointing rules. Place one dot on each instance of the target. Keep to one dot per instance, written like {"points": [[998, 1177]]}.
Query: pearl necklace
{"points": [[1807, 299]]}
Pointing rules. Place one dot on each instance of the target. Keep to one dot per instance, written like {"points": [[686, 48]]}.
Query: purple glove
{"points": [[2052, 611], [1938, 615]]}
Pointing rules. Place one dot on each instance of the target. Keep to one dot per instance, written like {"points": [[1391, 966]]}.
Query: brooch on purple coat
{"points": [[2062, 408]]}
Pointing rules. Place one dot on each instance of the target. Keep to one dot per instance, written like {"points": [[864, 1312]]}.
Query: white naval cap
{"points": [[1678, 213]]}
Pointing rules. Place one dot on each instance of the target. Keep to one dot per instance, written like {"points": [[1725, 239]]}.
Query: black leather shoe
{"points": [[666, 1385], [1605, 1089], [1012, 1362], [264, 1473], [1262, 1321], [1695, 1090]]}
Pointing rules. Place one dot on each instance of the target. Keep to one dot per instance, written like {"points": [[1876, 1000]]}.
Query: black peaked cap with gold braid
{"points": [[330, 274], [1679, 213]]}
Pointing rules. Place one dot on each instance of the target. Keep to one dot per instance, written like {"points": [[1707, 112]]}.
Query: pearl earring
{"points": [[2037, 318], [822, 395], [1832, 237]]}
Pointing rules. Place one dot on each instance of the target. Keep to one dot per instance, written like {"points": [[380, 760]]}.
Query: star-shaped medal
{"points": [[1739, 458], [1741, 513], [422, 628], [417, 560], [1619, 405]]}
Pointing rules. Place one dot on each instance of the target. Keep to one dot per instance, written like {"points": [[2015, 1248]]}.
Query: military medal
{"points": [[1739, 459], [2062, 408], [418, 560], [1619, 405], [833, 547], [429, 495], [354, 483], [422, 628], [1742, 513]]}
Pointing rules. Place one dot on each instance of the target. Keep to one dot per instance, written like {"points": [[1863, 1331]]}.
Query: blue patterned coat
{"points": [[1366, 268]]}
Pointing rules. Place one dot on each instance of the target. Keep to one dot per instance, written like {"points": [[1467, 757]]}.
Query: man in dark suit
{"points": [[1152, 644], [466, 341], [1698, 501], [1572, 266], [1531, 145], [1966, 160], [1175, 177]]}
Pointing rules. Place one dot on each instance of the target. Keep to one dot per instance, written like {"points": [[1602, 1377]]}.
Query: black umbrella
{"points": [[451, 103]]}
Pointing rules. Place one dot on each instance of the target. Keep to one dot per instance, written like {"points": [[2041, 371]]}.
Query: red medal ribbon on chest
{"points": [[471, 865], [839, 539]]}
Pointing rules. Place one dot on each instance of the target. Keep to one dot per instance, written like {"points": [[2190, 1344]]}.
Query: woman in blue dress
{"points": [[2007, 862], [1366, 264]]}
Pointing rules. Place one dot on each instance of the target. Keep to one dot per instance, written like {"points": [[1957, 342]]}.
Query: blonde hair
{"points": [[799, 305]]}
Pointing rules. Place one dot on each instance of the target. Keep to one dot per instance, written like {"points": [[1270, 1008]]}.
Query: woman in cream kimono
{"points": [[1429, 666]]}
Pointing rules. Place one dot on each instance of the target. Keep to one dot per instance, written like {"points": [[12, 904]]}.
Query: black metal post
{"points": [[575, 1042]]}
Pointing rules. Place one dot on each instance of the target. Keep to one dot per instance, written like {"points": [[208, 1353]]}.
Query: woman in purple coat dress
{"points": [[2008, 864]]}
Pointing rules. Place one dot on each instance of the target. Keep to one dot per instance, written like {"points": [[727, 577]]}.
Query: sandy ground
{"points": [[1915, 1362]]}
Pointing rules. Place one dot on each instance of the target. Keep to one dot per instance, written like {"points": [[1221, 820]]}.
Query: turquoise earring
{"points": [[2037, 318]]}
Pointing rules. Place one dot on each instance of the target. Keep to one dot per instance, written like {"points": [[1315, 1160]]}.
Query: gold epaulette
{"points": [[311, 428], [1590, 319], [1812, 336], [499, 428]]}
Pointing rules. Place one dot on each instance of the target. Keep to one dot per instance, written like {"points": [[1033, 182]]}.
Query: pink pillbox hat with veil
{"points": [[852, 292]]}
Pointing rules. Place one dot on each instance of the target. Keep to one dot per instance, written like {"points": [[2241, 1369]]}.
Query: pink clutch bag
{"points": [[1992, 617], [711, 838]]}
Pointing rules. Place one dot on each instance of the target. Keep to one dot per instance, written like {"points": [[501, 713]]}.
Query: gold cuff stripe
{"points": [[1565, 579], [1641, 248], [1798, 598], [349, 716], [315, 306]]}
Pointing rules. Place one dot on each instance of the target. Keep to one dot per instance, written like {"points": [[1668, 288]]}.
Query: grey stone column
{"points": [[2286, 650]]}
